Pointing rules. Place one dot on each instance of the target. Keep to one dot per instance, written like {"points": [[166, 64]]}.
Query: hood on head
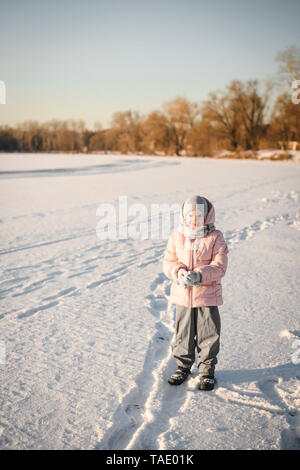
{"points": [[209, 217]]}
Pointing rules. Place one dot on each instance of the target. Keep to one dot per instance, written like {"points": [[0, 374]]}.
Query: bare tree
{"points": [[285, 122], [289, 61], [202, 140], [155, 133], [126, 129], [222, 110], [252, 106], [181, 116]]}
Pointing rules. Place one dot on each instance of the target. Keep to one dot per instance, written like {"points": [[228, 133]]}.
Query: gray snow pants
{"points": [[197, 327]]}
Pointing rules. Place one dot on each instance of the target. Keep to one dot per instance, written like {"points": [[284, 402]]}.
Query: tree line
{"points": [[244, 116]]}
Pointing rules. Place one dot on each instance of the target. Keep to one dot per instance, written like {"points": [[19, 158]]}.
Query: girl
{"points": [[195, 260]]}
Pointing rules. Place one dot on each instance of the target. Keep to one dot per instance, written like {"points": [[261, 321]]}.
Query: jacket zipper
{"points": [[191, 264]]}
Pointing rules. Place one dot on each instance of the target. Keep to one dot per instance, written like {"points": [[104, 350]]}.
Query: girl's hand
{"points": [[181, 277], [193, 278]]}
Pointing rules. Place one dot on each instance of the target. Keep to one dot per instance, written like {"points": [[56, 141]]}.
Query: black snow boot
{"points": [[207, 382], [179, 376]]}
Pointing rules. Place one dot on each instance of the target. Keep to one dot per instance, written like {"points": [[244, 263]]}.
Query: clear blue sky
{"points": [[71, 59]]}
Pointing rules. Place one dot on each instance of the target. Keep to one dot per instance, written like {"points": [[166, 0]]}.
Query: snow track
{"points": [[136, 409]]}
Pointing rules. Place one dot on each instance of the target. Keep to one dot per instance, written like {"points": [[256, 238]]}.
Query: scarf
{"points": [[197, 232]]}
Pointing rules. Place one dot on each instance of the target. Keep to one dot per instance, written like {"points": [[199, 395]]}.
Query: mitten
{"points": [[193, 278], [181, 277]]}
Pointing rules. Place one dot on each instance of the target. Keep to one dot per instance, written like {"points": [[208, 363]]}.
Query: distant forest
{"points": [[245, 116]]}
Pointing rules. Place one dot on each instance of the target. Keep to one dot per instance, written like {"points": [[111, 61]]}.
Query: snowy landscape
{"points": [[86, 323]]}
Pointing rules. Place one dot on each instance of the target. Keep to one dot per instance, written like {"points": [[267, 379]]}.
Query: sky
{"points": [[71, 59]]}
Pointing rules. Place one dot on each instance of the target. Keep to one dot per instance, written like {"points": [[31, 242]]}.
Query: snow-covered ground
{"points": [[265, 154], [86, 324], [271, 153]]}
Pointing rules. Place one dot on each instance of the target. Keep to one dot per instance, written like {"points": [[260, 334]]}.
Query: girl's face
{"points": [[194, 219]]}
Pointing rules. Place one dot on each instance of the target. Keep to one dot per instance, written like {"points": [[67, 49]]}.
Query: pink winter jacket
{"points": [[210, 260]]}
